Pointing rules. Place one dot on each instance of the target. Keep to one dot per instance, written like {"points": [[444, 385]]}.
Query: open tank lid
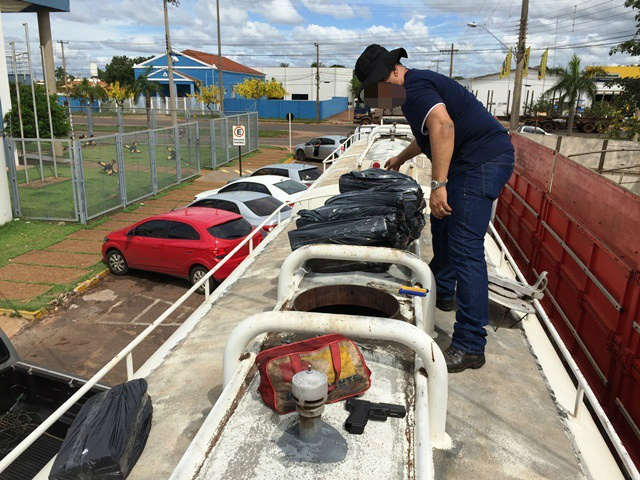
{"points": [[8, 354]]}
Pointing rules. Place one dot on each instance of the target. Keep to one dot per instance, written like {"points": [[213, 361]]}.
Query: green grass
{"points": [[282, 120], [272, 133], [20, 236], [43, 300]]}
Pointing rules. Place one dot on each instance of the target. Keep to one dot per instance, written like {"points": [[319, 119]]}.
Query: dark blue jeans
{"points": [[458, 248]]}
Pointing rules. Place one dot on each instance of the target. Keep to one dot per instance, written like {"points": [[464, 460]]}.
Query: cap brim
{"points": [[384, 67]]}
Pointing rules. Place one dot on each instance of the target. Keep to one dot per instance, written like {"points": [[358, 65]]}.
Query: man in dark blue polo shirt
{"points": [[472, 159]]}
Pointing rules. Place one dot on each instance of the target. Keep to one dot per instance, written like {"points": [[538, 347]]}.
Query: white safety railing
{"points": [[433, 401], [583, 389], [364, 254], [331, 157], [126, 353]]}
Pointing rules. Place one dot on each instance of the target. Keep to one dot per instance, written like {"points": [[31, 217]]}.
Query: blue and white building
{"points": [[191, 67]]}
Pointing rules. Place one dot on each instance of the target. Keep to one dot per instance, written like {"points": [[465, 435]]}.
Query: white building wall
{"points": [[5, 199], [502, 90], [334, 82]]}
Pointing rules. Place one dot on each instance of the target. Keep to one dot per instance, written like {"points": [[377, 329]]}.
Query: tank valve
{"points": [[310, 389], [393, 132]]}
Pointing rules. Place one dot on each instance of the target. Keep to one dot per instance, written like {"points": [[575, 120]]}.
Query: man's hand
{"points": [[438, 203], [394, 163]]}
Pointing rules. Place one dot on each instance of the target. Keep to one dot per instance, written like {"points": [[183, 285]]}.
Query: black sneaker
{"points": [[444, 304], [457, 360]]}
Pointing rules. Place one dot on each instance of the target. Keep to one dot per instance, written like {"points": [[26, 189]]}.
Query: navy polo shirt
{"points": [[478, 136]]}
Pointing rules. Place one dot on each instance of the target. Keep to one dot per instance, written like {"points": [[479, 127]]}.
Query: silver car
{"points": [[254, 207], [319, 148]]}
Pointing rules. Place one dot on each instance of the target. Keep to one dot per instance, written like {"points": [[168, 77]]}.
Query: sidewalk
{"points": [[36, 279]]}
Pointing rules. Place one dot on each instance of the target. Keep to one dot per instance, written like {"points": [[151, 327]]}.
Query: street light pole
{"points": [[517, 87], [317, 45], [172, 94], [220, 60]]}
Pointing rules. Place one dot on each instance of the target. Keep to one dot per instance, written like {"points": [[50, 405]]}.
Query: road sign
{"points": [[289, 116], [239, 136]]}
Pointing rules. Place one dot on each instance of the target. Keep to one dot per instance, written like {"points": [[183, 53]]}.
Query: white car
{"points": [[284, 189], [532, 129]]}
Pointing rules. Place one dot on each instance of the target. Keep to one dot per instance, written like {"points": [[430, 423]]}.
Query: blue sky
{"points": [[269, 32]]}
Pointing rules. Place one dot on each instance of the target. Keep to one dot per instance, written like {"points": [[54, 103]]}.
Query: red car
{"points": [[185, 243]]}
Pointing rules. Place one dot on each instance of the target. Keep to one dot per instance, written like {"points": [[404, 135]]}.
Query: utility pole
{"points": [[450, 51], [220, 60], [438, 62], [517, 87], [66, 85], [317, 45], [172, 94]]}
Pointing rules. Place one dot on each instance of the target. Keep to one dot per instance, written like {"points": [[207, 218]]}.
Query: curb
{"points": [[82, 287], [289, 160], [29, 315], [38, 314]]}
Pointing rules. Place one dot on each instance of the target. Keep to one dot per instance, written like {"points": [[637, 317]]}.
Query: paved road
{"points": [[98, 324]]}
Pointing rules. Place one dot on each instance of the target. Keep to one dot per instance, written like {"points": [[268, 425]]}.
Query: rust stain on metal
{"points": [[244, 356], [433, 357], [422, 371]]}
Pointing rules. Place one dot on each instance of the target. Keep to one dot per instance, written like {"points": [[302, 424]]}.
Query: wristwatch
{"points": [[435, 184]]}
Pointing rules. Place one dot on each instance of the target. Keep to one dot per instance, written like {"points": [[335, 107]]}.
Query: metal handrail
{"points": [[126, 352], [368, 254], [328, 158]]}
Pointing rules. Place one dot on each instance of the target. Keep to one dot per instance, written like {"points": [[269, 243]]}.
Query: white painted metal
{"points": [[365, 254], [363, 327], [583, 386], [124, 353], [200, 446]]}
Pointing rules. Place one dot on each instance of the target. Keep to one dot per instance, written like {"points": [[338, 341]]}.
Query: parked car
{"points": [[285, 190], [185, 243], [532, 129], [319, 148], [254, 207], [305, 174]]}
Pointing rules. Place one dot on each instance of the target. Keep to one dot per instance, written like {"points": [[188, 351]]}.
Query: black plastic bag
{"points": [[373, 231], [107, 436], [318, 265], [334, 213], [370, 178]]}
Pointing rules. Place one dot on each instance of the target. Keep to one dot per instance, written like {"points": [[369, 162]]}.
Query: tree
{"points": [[120, 69], [274, 90], [208, 95], [314, 64], [119, 93], [356, 87], [60, 77], [284, 65], [145, 87], [61, 126], [85, 91], [335, 65], [573, 82], [256, 88]]}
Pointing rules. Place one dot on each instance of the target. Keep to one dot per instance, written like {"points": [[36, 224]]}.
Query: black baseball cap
{"points": [[376, 63]]}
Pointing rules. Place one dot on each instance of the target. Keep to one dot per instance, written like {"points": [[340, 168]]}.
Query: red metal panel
{"points": [[607, 210], [586, 236]]}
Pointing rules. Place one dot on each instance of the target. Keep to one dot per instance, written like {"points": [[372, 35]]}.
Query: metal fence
{"points": [[82, 179]]}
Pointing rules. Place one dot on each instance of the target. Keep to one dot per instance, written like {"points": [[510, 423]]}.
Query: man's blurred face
{"points": [[384, 95]]}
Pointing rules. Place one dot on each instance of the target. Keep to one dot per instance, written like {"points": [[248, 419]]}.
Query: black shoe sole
{"points": [[447, 307], [475, 366]]}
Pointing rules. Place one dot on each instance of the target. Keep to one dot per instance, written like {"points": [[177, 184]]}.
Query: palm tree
{"points": [[284, 65], [143, 86], [572, 82]]}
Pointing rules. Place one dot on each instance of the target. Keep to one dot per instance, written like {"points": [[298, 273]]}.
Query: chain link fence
{"points": [[82, 179]]}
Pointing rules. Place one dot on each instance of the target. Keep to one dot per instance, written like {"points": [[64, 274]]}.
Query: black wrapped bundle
{"points": [[370, 178], [334, 213], [107, 436], [373, 231]]}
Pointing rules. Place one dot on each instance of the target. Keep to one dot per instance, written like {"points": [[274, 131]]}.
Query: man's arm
{"points": [[412, 150], [441, 139]]}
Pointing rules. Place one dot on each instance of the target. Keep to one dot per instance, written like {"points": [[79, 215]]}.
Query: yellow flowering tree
{"points": [[119, 93], [208, 95], [256, 88]]}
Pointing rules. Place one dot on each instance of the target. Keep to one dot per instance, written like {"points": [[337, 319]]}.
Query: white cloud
{"points": [[336, 9], [279, 11]]}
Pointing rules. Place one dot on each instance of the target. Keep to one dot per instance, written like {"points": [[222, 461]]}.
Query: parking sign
{"points": [[239, 136]]}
